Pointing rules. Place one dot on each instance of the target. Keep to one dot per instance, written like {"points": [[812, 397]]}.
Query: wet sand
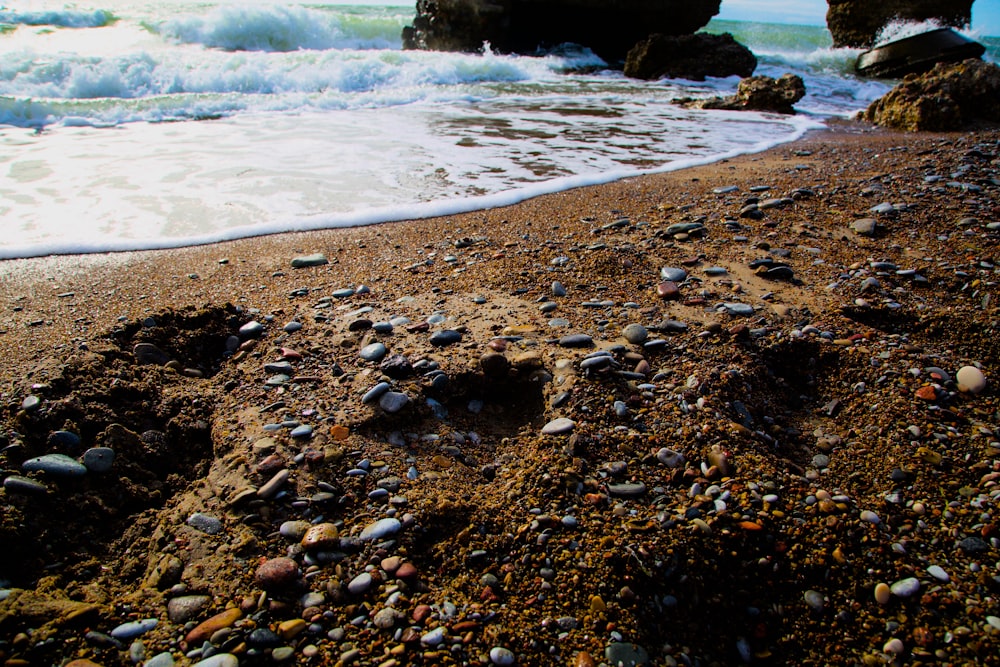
{"points": [[786, 453]]}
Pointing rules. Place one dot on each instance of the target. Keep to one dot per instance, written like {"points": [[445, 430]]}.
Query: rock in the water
{"points": [[689, 57], [609, 29], [760, 93], [316, 259], [857, 23], [948, 98]]}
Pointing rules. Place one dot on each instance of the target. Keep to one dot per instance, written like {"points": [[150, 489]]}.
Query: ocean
{"points": [[131, 124]]}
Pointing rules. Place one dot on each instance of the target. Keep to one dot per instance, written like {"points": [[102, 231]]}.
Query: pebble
{"points": [[302, 431], [56, 465], [393, 401], [133, 629], [894, 646], [882, 593], [273, 485], [815, 600], [558, 426], [501, 656], [321, 536], [375, 393], [668, 290], [66, 440], [558, 289], [304, 261], [938, 573], [624, 654], [905, 588], [627, 490], [209, 627], [635, 333], [251, 329], [864, 226], [673, 274], [186, 607], [971, 378], [870, 517], [277, 573], [219, 660], [99, 459], [164, 659], [149, 354], [373, 352], [669, 457], [205, 523], [576, 340], [381, 529], [434, 637], [445, 337], [31, 403], [360, 584], [737, 309], [24, 485]]}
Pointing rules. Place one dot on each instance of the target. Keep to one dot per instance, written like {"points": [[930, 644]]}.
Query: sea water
{"points": [[129, 124]]}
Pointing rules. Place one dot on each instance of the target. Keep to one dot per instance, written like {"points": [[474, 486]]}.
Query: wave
{"points": [[65, 18], [284, 28]]}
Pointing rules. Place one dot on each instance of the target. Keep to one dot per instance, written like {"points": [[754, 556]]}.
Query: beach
{"points": [[738, 413]]}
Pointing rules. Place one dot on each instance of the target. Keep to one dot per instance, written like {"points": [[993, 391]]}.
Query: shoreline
{"points": [[777, 456]]}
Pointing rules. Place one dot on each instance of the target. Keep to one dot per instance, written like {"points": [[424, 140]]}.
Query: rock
{"points": [[207, 628], [759, 93], [905, 588], [668, 290], [316, 259], [321, 537], [576, 340], [501, 656], [396, 366], [380, 529], [209, 525], [494, 364], [624, 654], [360, 584], [865, 226], [373, 352], [99, 459], [950, 97], [133, 629], [971, 378], [393, 401], [558, 426], [149, 354], [635, 333], [882, 593], [669, 457], [182, 609], [627, 490], [56, 465], [165, 659], [445, 337], [24, 486], [673, 274], [277, 573], [692, 57], [252, 329], [522, 26], [219, 660], [857, 23]]}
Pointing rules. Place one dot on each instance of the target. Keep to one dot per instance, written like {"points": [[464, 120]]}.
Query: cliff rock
{"points": [[952, 96], [608, 27], [858, 22], [689, 57]]}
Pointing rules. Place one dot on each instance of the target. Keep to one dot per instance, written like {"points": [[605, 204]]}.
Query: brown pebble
{"points": [[321, 536], [80, 662], [277, 573], [421, 612], [497, 344], [207, 628], [584, 659], [927, 393], [668, 290], [406, 571]]}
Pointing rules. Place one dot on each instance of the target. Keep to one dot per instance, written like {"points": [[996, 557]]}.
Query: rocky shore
{"points": [[739, 414]]}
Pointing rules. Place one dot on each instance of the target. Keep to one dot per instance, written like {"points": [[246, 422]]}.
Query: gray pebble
{"points": [[445, 337], [56, 465], [576, 340], [24, 486], [670, 458], [373, 352], [186, 607], [558, 426], [558, 289], [905, 588], [205, 523], [375, 393], [99, 459], [360, 584], [147, 353], [627, 490], [624, 654], [302, 431], [393, 401], [380, 529], [635, 333], [164, 659], [316, 259], [133, 629], [251, 329]]}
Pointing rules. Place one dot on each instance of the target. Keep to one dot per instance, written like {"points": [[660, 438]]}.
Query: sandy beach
{"points": [[744, 413]]}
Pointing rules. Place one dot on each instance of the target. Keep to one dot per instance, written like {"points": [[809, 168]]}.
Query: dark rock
{"points": [[689, 57], [759, 93], [445, 337], [609, 29], [397, 366], [948, 98], [858, 22]]}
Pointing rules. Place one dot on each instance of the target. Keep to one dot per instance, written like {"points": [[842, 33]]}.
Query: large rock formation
{"points": [[858, 22], [689, 57], [608, 27], [949, 97], [758, 93]]}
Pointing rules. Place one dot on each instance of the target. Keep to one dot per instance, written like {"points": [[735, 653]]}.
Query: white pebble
{"points": [[971, 378], [893, 646], [938, 573], [870, 517], [904, 588], [501, 656]]}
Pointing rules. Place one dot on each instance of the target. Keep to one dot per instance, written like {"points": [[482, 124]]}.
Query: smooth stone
{"points": [[304, 261], [380, 529], [971, 378], [147, 353], [938, 573], [57, 465], [133, 629], [63, 440], [292, 327], [558, 289], [576, 340], [274, 484], [251, 329], [635, 333], [501, 656], [321, 537], [279, 367], [386, 618], [185, 608], [343, 293], [294, 530], [282, 653], [434, 637], [882, 593], [870, 517], [375, 393], [277, 573], [207, 628], [668, 290], [673, 274], [738, 309], [393, 401], [669, 457], [723, 190], [302, 431], [558, 426], [627, 490], [24, 486], [373, 352], [360, 584], [894, 646], [205, 523], [219, 660], [99, 459], [815, 600], [445, 337], [864, 226], [905, 588], [624, 654], [164, 659], [31, 403]]}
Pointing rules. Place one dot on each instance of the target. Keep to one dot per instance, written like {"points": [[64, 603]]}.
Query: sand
{"points": [[734, 488]]}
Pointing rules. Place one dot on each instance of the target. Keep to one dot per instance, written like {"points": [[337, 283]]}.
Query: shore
{"points": [[740, 413]]}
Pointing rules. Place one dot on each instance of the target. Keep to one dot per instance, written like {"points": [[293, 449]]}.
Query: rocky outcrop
{"points": [[758, 93], [608, 27], [857, 22], [949, 97], [689, 57]]}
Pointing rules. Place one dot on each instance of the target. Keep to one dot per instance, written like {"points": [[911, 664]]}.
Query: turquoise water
{"points": [[138, 124]]}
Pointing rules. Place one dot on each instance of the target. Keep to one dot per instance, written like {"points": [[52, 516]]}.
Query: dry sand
{"points": [[734, 488]]}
